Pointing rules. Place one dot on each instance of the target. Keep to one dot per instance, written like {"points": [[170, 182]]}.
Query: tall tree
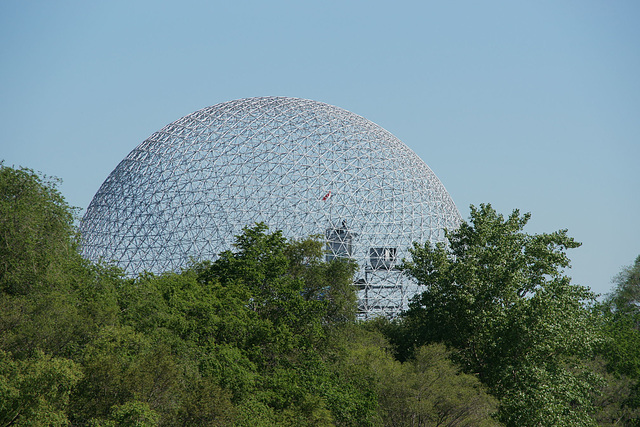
{"points": [[52, 301], [50, 298], [286, 299], [35, 391], [500, 297], [37, 235], [625, 297], [621, 326], [621, 309]]}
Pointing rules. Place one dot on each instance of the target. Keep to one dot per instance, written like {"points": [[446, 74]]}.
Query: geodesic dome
{"points": [[300, 166]]}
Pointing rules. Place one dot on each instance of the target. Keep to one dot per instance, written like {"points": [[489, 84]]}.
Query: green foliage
{"points": [[326, 281], [266, 334], [37, 238], [621, 309], [286, 294], [430, 390], [625, 297], [424, 391], [58, 320], [35, 390], [621, 348], [283, 300], [246, 331], [130, 414], [613, 403], [499, 297], [52, 302], [205, 403], [621, 326], [50, 298]]}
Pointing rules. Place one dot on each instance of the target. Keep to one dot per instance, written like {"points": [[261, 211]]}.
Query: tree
{"points": [[285, 284], [36, 390], [621, 326], [432, 391], [331, 282], [615, 404], [37, 235], [427, 390], [499, 297], [50, 298], [283, 299], [625, 298], [240, 338]]}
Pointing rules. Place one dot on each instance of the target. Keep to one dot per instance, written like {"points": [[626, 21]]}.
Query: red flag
{"points": [[326, 196]]}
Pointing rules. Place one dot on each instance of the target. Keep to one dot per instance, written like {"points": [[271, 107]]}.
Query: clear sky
{"points": [[530, 105]]}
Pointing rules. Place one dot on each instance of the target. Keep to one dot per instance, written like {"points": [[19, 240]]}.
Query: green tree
{"points": [[284, 303], [134, 414], [163, 355], [221, 341], [36, 390], [427, 390], [625, 297], [620, 310], [37, 235], [50, 298], [499, 297], [615, 404], [331, 282], [289, 293], [431, 391]]}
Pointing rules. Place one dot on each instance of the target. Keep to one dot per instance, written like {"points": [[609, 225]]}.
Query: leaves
{"points": [[620, 324], [498, 296], [266, 334], [37, 237], [424, 391], [36, 390]]}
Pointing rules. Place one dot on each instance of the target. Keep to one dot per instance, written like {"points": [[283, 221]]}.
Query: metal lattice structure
{"points": [[299, 166]]}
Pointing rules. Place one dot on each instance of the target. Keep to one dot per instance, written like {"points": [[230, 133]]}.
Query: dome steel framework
{"points": [[300, 166]]}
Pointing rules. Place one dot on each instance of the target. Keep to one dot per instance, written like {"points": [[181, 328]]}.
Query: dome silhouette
{"points": [[300, 166]]}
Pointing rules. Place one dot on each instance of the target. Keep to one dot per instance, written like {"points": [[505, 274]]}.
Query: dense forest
{"points": [[267, 333]]}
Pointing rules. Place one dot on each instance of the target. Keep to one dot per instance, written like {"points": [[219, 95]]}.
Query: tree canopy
{"points": [[258, 336], [619, 352], [625, 297], [37, 237], [500, 298], [267, 333]]}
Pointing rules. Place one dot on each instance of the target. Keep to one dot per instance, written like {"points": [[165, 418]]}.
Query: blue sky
{"points": [[528, 105]]}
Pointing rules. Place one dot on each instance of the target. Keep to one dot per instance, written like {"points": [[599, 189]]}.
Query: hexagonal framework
{"points": [[300, 166]]}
